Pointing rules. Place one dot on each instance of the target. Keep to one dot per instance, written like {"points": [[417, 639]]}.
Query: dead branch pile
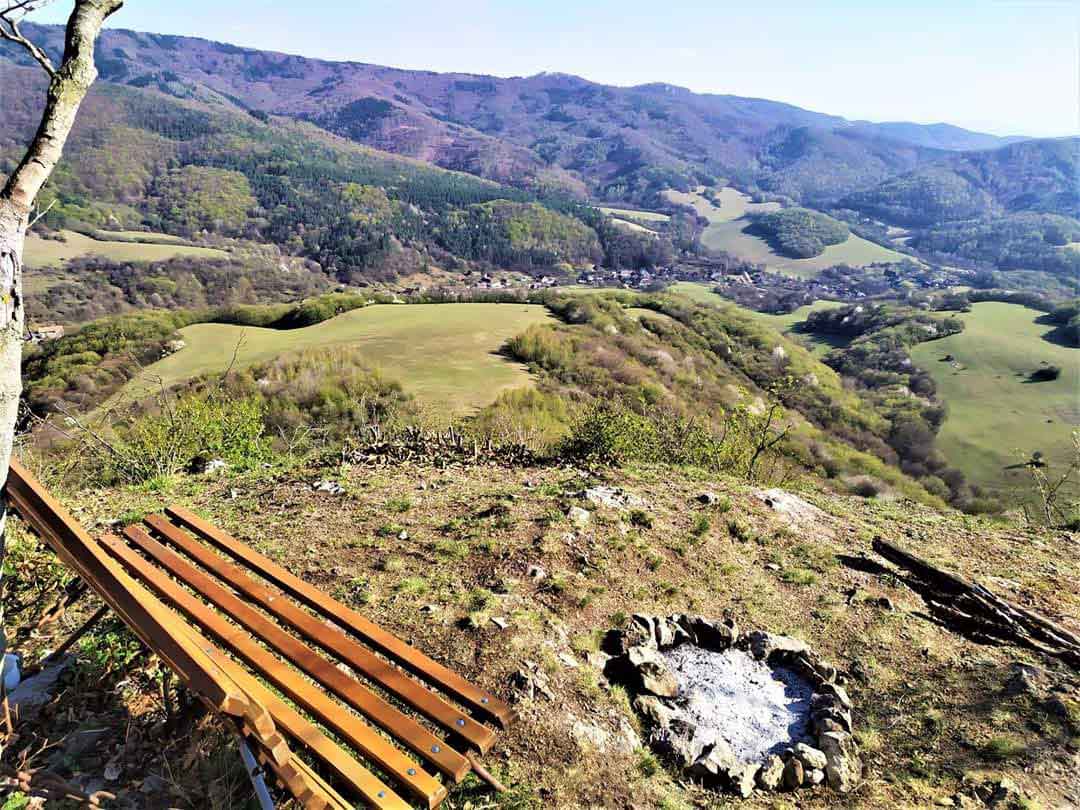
{"points": [[439, 448], [977, 613]]}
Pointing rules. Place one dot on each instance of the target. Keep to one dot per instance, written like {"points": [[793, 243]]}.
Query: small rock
{"points": [[658, 713], [715, 763], [793, 774], [403, 535], [771, 773], [568, 660], [428, 609], [612, 497], [679, 741], [329, 487], [945, 801], [1004, 794], [653, 673], [843, 767], [794, 508], [529, 681], [708, 498], [499, 622], [642, 631], [810, 757], [579, 517], [838, 692], [743, 779], [1024, 680], [815, 777], [715, 636], [536, 573], [765, 646], [113, 768], [772, 567]]}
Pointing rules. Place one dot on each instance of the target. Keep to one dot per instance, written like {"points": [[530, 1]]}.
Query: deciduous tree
{"points": [[69, 82]]}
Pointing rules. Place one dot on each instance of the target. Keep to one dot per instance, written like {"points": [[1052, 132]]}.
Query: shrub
{"points": [[1045, 374], [195, 426]]}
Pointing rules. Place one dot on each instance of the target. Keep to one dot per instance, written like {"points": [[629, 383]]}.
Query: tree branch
{"points": [[69, 85], [9, 30]]}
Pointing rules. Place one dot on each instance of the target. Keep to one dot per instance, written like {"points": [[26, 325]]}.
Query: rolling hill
{"points": [[552, 129]]}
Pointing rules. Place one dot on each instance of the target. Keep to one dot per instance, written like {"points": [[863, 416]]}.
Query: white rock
{"points": [[579, 517]]}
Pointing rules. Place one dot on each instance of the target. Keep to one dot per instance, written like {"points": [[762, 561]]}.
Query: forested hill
{"points": [[550, 129], [140, 159]]}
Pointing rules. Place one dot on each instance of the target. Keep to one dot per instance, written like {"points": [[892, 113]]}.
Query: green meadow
{"points": [[447, 355], [41, 253], [725, 232], [997, 418], [633, 213]]}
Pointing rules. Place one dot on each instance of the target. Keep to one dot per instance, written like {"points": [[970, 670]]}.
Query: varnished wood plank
{"points": [[146, 617], [289, 682], [330, 639], [400, 726], [388, 644]]}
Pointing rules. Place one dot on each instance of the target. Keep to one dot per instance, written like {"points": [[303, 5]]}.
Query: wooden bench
{"points": [[293, 663]]}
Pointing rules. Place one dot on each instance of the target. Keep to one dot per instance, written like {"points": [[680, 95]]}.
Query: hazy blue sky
{"points": [[1005, 67]]}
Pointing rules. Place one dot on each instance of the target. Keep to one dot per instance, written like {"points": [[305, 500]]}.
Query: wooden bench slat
{"points": [[390, 645], [145, 616], [289, 682], [369, 704], [330, 639]]}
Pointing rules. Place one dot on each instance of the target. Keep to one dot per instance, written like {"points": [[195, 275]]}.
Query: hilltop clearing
{"points": [[482, 568]]}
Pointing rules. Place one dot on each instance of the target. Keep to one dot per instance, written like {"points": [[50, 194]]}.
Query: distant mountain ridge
{"points": [[551, 129]]}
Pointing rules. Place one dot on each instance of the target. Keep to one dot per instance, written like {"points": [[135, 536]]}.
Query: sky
{"points": [[1001, 66]]}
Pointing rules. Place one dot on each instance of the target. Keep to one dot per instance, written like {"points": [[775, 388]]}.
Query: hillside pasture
{"points": [[728, 221], [733, 204], [997, 416], [53, 253], [447, 355], [633, 213], [636, 227]]}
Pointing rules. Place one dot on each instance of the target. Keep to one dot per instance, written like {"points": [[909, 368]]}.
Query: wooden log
{"points": [[976, 611]]}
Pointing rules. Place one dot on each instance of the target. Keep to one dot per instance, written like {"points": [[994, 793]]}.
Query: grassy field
{"points": [[633, 213], [818, 344], [725, 232], [146, 237], [50, 253], [733, 204], [997, 418], [637, 227], [444, 354]]}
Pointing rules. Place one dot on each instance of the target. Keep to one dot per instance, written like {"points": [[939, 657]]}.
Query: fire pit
{"points": [[737, 711]]}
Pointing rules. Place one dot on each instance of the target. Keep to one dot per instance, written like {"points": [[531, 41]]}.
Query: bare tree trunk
{"points": [[13, 219], [68, 86]]}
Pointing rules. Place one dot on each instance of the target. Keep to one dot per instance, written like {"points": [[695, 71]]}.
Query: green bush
{"points": [[194, 426]]}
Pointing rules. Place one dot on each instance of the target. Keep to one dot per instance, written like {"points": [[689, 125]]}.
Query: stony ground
{"points": [[503, 572]]}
